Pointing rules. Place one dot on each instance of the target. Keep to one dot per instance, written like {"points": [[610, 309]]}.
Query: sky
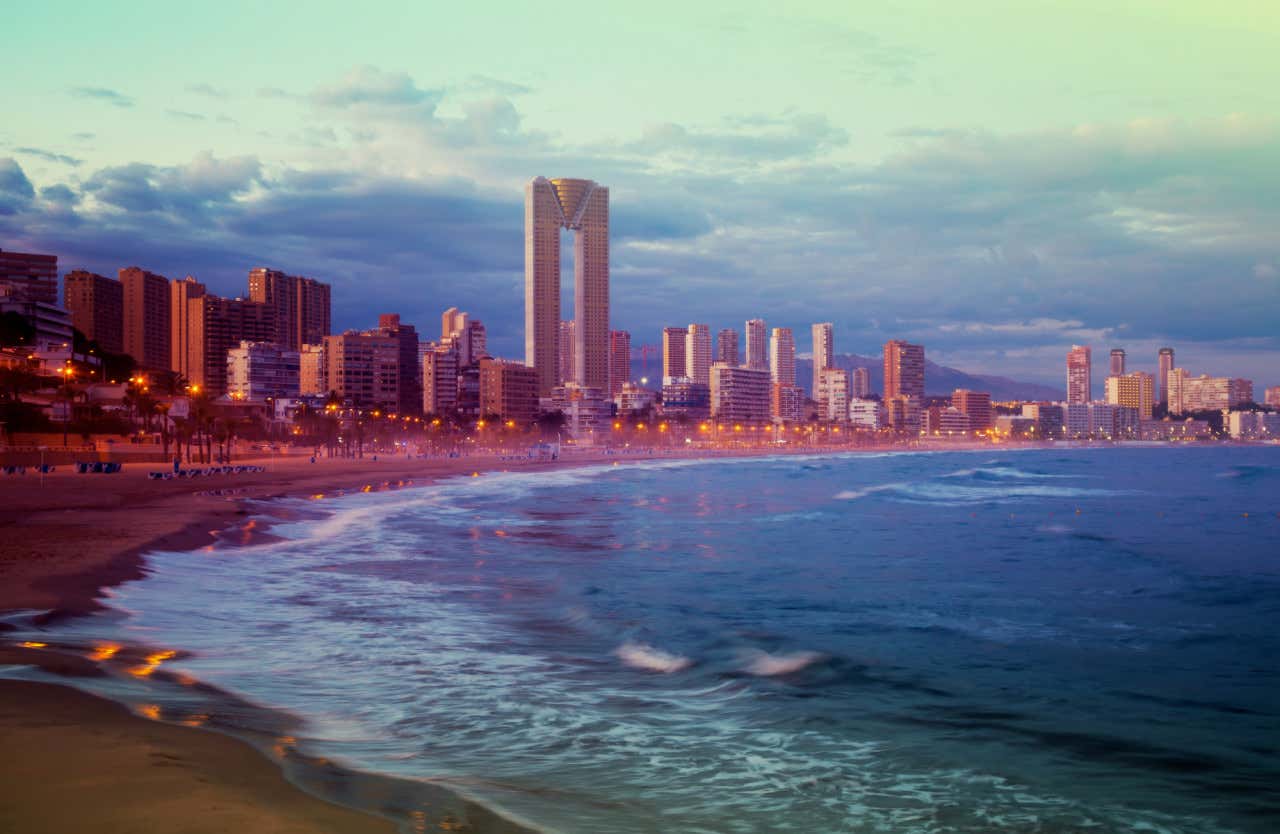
{"points": [[996, 180]]}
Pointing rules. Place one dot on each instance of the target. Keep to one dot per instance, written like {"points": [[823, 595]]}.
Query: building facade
{"points": [[406, 337], [363, 369], [261, 370], [782, 356], [757, 344], [727, 347], [823, 352], [147, 319], [439, 379], [216, 325], [903, 370], [739, 395], [674, 362], [1164, 367], [697, 353], [96, 306], [508, 389], [300, 306], [681, 397], [1136, 390], [181, 294], [1079, 374], [313, 371], [1117, 362], [832, 395], [976, 405], [786, 402], [860, 382], [29, 278], [619, 361]]}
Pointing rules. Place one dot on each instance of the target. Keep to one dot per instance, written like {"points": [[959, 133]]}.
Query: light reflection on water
{"points": [[1047, 641]]}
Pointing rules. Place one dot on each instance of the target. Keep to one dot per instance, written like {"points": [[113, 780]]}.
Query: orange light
{"points": [[150, 663], [104, 651], [151, 711], [33, 645]]}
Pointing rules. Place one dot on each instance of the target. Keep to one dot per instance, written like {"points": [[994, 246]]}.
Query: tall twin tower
{"points": [[549, 206]]}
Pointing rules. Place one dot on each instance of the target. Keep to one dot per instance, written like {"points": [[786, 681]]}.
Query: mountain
{"points": [[939, 380]]}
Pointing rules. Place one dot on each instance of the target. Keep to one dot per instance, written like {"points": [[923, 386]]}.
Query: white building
{"points": [[739, 394], [697, 353], [262, 370], [586, 410], [866, 413], [832, 394], [1253, 425]]}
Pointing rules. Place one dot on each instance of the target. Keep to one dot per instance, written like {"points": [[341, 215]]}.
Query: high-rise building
{"points": [[583, 206], [974, 404], [261, 370], [301, 306], [406, 337], [739, 395], [860, 383], [757, 344], [786, 402], [566, 370], [903, 370], [96, 305], [1165, 358], [782, 356], [823, 352], [832, 394], [180, 295], [674, 361], [452, 323], [313, 371], [509, 390], [1079, 374], [619, 361], [1136, 390], [1117, 362], [727, 347], [1271, 396], [29, 278], [697, 353], [147, 318], [215, 326], [364, 369], [439, 380]]}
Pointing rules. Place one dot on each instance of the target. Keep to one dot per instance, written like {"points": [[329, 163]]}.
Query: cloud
{"points": [[368, 87], [50, 156], [60, 195], [185, 115], [487, 85], [183, 190], [756, 139], [16, 190], [276, 92], [206, 90], [103, 94]]}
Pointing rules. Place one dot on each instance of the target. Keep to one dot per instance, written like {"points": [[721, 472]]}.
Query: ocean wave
{"points": [[764, 664], [647, 658], [924, 492]]}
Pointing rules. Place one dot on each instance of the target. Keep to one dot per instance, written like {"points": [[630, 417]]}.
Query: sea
{"points": [[1048, 640]]}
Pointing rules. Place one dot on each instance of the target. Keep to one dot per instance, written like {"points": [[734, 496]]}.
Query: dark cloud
{"points": [[50, 156], [185, 191], [15, 189], [61, 195], [103, 94]]}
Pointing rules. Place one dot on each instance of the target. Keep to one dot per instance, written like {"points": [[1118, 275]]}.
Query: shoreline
{"points": [[67, 567]]}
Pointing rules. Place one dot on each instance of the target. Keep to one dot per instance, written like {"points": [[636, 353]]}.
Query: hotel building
{"points": [[739, 395], [823, 348], [1165, 358], [406, 337], [313, 372], [439, 379], [619, 361], [866, 414], [300, 306], [832, 394], [551, 206], [976, 405], [216, 325], [180, 295], [727, 347], [1136, 390], [1271, 397], [674, 362], [683, 397], [786, 402], [860, 382], [364, 369]]}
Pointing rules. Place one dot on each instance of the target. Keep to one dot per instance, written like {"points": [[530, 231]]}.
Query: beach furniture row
{"points": [[205, 472]]}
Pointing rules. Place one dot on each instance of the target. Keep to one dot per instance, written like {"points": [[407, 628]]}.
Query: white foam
{"points": [[646, 657], [772, 665]]}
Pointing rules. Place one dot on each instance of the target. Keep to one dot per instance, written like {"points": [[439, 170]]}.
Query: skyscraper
{"points": [[96, 305], [757, 345], [823, 347], [28, 277], [583, 206], [903, 369], [674, 364], [697, 352], [410, 375], [301, 306], [782, 356], [1079, 374], [1162, 374], [619, 360], [215, 326], [146, 317], [180, 295], [1117, 362], [727, 347]]}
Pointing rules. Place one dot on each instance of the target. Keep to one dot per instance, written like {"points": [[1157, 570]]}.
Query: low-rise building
{"points": [[682, 397], [1050, 420], [508, 389], [866, 414], [586, 410], [786, 402], [739, 394]]}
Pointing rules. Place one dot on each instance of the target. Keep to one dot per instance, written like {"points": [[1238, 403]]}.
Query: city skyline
{"points": [[394, 178]]}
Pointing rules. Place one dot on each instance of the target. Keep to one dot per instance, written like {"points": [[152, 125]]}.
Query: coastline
{"points": [[64, 565]]}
